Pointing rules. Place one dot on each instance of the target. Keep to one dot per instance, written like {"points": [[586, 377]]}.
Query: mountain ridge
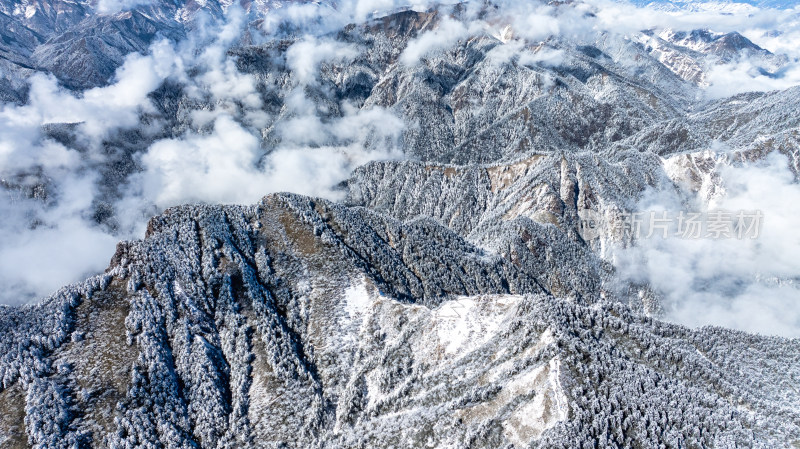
{"points": [[576, 356]]}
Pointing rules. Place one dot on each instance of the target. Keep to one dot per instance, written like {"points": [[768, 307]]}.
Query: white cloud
{"points": [[101, 109], [750, 285], [305, 56], [447, 34], [540, 24], [320, 18], [115, 6], [53, 241], [229, 167], [544, 56], [46, 246], [368, 8], [216, 168], [726, 80]]}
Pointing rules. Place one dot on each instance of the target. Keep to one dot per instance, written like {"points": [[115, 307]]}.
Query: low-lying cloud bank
{"points": [[749, 284], [54, 238]]}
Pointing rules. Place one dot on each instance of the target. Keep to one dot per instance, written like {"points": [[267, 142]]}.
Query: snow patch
{"points": [[357, 299], [467, 323]]}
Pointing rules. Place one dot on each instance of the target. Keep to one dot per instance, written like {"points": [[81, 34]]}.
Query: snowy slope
{"points": [[290, 324]]}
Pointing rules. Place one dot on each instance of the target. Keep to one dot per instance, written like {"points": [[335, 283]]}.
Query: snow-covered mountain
{"points": [[84, 42], [448, 292], [298, 323], [718, 5]]}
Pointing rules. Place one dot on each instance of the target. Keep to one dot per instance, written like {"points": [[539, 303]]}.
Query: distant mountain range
{"points": [[730, 5], [79, 44]]}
